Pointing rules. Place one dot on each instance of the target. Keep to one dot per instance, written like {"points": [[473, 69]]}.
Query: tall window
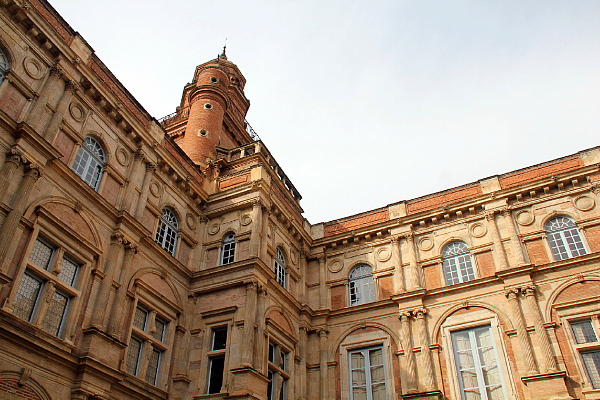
{"points": [[278, 374], [457, 263], [563, 238], [476, 359], [280, 268], [585, 334], [217, 360], [4, 64], [361, 285], [166, 234], [228, 250], [89, 163], [46, 287], [367, 374], [146, 343]]}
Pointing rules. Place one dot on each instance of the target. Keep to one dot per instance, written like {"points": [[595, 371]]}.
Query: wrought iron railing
{"points": [[174, 117]]}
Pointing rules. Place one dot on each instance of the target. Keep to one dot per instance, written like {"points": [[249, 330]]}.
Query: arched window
{"points": [[563, 238], [166, 234], [280, 268], [228, 250], [362, 287], [89, 163], [4, 64], [457, 265]]}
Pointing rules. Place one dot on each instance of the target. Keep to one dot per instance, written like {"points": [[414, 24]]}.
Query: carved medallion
{"points": [[214, 229], [584, 203], [335, 265], [426, 243], [245, 219], [525, 218], [32, 67], [155, 188], [122, 156], [383, 254], [76, 111], [190, 221], [477, 230]]}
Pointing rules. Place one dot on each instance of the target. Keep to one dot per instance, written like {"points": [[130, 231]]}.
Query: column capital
{"points": [[14, 155], [322, 332], [529, 290], [256, 203], [72, 86], [117, 237], [511, 293], [404, 315], [56, 70], [33, 170], [490, 215], [140, 154], [150, 166], [419, 313], [131, 248]]}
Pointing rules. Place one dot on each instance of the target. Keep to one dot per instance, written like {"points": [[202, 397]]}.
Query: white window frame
{"points": [[91, 155], [361, 287], [476, 320], [367, 369], [214, 354], [364, 341], [167, 231], [453, 265], [280, 267], [228, 249], [279, 368], [558, 239]]}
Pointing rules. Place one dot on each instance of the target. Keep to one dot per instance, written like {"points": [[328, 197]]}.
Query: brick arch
{"points": [[10, 382], [569, 290], [279, 317], [349, 331], [437, 327], [157, 279], [66, 210]]}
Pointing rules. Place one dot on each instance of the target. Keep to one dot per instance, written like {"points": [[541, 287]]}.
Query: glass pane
{"points": [[152, 370], [133, 356], [216, 375], [160, 329], [591, 361], [139, 319], [219, 339], [583, 331], [68, 271], [26, 297], [359, 393], [55, 313], [41, 254]]}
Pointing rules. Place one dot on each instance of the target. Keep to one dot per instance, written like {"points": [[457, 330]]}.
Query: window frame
{"points": [[556, 235], [278, 368], [280, 267], [51, 285], [167, 229], [148, 341], [586, 347], [356, 284], [86, 165], [366, 351], [478, 319], [218, 354], [451, 265], [4, 63], [228, 247]]}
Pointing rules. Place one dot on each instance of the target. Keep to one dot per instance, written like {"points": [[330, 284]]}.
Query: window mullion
{"points": [[478, 366]]}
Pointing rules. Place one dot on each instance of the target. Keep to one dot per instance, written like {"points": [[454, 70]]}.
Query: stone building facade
{"points": [[169, 259]]}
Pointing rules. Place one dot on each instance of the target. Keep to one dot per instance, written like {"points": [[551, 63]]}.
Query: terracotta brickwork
{"points": [[146, 278]]}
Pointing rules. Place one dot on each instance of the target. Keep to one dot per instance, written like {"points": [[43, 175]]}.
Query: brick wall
{"points": [[536, 249]]}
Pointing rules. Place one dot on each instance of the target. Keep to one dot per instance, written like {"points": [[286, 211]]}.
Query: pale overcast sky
{"points": [[366, 103]]}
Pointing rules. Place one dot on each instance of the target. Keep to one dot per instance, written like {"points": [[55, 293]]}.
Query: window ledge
{"points": [[541, 377]]}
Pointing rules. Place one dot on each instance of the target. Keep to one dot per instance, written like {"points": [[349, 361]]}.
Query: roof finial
{"points": [[223, 56]]}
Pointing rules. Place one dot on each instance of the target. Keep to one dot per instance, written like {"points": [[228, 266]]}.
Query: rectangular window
{"points": [[278, 374], [133, 355], [367, 374], [57, 308], [476, 359], [41, 254], [219, 341], [153, 364], [585, 334], [215, 379]]}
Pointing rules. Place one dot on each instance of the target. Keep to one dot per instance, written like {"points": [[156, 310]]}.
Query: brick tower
{"points": [[212, 111]]}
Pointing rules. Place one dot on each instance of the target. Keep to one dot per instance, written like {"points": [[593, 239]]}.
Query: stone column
{"points": [[138, 161], [39, 106], [19, 204], [265, 227], [513, 299], [117, 314], [410, 384], [301, 376], [141, 205], [11, 163], [427, 363], [499, 254], [115, 254], [546, 346], [70, 88], [399, 285], [514, 237], [249, 318], [415, 281], [259, 358], [196, 262], [323, 381], [322, 283], [256, 228]]}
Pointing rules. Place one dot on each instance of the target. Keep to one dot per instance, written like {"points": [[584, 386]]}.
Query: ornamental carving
{"points": [[32, 68], [383, 254], [477, 230], [426, 243], [122, 156], [584, 203], [245, 219], [525, 217], [335, 265], [190, 221]]}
